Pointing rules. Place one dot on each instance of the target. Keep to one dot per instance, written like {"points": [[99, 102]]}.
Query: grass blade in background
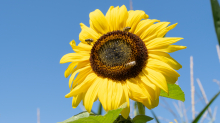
{"points": [[100, 109], [155, 117], [206, 107], [216, 17], [141, 108]]}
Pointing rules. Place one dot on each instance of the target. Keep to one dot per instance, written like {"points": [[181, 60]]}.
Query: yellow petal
{"points": [[170, 74], [117, 17], [77, 99], [87, 33], [117, 94], [143, 25], [70, 68], [148, 86], [150, 103], [98, 22], [72, 43], [135, 92], [102, 93], [157, 78], [83, 86], [164, 31], [147, 91], [125, 88], [155, 103], [171, 48], [109, 95], [112, 18], [154, 29], [147, 103], [82, 47], [83, 73], [134, 18], [77, 70], [74, 57], [165, 57], [125, 112], [161, 42], [91, 95]]}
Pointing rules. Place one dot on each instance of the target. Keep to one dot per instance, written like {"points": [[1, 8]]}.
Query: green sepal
{"points": [[175, 92]]}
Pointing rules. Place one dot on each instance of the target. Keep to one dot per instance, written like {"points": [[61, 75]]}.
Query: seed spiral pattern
{"points": [[118, 55]]}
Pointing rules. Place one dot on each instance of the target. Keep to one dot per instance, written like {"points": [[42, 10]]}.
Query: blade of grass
{"points": [[216, 81], [167, 106], [214, 114], [100, 109], [216, 17], [218, 51], [178, 110], [204, 96], [206, 107], [155, 117], [192, 87], [141, 108], [204, 116], [184, 113]]}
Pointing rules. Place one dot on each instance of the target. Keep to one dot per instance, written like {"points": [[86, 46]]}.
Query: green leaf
{"points": [[141, 119], [76, 117], [216, 17], [155, 117], [206, 107], [121, 119], [175, 92], [108, 118]]}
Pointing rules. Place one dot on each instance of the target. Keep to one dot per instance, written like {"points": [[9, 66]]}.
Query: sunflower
{"points": [[122, 55]]}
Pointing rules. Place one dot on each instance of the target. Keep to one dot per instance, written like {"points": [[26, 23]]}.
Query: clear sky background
{"points": [[34, 35]]}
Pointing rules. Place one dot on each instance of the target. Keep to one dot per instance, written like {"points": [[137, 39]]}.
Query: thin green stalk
{"points": [[141, 108], [155, 117], [100, 109], [205, 108]]}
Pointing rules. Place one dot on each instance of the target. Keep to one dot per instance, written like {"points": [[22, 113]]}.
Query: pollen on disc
{"points": [[115, 52]]}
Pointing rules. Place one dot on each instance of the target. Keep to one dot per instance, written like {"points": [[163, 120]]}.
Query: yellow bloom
{"points": [[122, 55]]}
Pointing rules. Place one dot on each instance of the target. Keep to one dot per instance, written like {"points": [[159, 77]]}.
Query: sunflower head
{"points": [[122, 55]]}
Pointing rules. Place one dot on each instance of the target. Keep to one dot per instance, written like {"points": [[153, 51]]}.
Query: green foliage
{"points": [[206, 107], [141, 119], [76, 117], [111, 117], [175, 92], [216, 17], [86, 118], [121, 119]]}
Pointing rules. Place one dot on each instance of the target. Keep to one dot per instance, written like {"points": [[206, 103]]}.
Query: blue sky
{"points": [[34, 35]]}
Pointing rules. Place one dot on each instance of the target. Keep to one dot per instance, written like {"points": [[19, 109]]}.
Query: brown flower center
{"points": [[118, 55]]}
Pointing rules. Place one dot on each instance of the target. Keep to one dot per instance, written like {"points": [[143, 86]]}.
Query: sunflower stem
{"points": [[99, 109], [141, 108]]}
